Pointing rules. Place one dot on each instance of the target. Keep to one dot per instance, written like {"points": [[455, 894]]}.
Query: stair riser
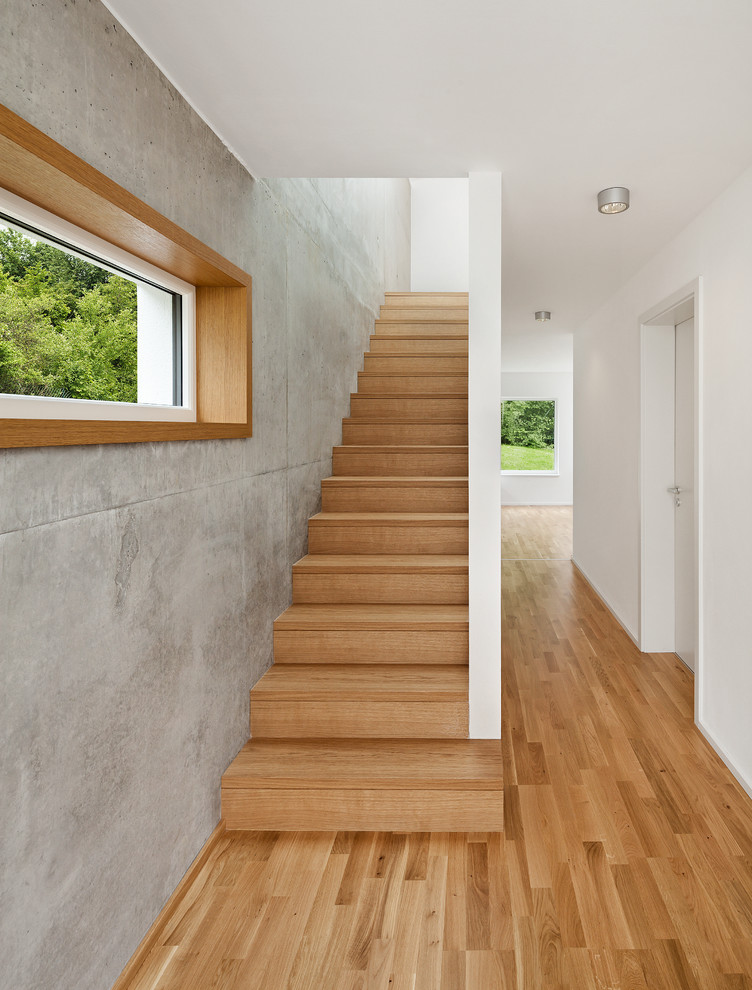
{"points": [[357, 463], [394, 499], [425, 314], [385, 809], [419, 328], [369, 646], [424, 348], [386, 539], [419, 589], [412, 409], [384, 364], [412, 385], [424, 300], [358, 719], [404, 433]]}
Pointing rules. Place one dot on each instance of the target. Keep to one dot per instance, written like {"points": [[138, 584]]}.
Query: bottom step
{"points": [[419, 785]]}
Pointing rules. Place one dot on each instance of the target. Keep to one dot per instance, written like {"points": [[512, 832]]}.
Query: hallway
{"points": [[625, 861]]}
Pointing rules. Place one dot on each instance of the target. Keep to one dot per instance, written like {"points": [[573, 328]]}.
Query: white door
{"points": [[684, 480]]}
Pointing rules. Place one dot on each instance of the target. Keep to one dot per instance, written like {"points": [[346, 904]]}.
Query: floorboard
{"points": [[624, 864]]}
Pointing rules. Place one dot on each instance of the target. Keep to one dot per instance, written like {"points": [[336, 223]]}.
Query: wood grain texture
{"points": [[388, 532], [425, 409], [394, 460], [536, 532], [405, 494], [376, 643], [455, 346], [403, 645], [365, 808], [381, 578], [624, 863], [41, 171], [409, 364], [411, 384], [390, 432], [342, 718], [222, 355]]}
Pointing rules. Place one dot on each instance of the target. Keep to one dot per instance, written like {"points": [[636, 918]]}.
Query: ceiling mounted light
{"points": [[543, 316], [613, 200]]}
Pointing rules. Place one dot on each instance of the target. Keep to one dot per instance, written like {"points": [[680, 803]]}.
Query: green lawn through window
{"points": [[526, 459]]}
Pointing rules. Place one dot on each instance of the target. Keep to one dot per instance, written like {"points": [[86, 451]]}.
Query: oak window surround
{"points": [[41, 171]]}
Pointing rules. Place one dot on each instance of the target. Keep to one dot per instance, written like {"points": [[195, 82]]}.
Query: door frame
{"points": [[657, 551]]}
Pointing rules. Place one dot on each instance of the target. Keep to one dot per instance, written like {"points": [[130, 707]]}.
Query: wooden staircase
{"points": [[362, 721]]}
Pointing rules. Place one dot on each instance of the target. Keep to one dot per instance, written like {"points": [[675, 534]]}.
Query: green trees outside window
{"points": [[528, 431], [68, 328]]}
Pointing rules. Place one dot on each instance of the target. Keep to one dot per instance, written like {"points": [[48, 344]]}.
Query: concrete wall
{"points": [[440, 232], [717, 245], [139, 582]]}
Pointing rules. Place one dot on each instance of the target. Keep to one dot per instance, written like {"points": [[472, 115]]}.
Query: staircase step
{"points": [[381, 578], [425, 314], [391, 327], [423, 300], [453, 346], [369, 784], [388, 532], [406, 408], [386, 432], [353, 634], [412, 385], [390, 494], [343, 701], [395, 460], [409, 364]]}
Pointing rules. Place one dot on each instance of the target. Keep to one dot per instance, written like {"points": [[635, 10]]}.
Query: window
{"points": [[528, 436], [87, 331], [190, 367]]}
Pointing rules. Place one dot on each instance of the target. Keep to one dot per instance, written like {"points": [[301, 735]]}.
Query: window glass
{"points": [[528, 435], [73, 326]]}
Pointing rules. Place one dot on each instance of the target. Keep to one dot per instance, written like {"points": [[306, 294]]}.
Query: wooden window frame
{"points": [[40, 170]]}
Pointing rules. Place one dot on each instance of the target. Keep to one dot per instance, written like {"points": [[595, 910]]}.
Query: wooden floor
{"points": [[536, 532], [625, 864]]}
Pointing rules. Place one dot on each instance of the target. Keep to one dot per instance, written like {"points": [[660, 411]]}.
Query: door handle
{"points": [[675, 491]]}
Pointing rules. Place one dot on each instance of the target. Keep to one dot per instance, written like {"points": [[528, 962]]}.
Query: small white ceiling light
{"points": [[543, 316], [613, 200]]}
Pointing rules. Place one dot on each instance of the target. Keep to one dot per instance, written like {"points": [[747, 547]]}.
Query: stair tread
{"points": [[407, 421], [411, 373], [451, 764], [385, 480], [391, 518], [418, 683], [408, 448], [373, 617], [417, 563], [410, 355]]}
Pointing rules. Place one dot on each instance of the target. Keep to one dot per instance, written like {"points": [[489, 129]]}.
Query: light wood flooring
{"points": [[536, 532], [625, 864]]}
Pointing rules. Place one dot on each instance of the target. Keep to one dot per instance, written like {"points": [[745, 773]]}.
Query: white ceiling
{"points": [[564, 97]]}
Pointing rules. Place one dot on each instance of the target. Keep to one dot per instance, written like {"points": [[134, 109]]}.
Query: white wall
{"points": [[154, 353], [718, 246], [439, 235], [484, 371], [542, 489]]}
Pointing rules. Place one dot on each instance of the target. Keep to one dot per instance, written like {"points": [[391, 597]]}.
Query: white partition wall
{"points": [[483, 438], [438, 235]]}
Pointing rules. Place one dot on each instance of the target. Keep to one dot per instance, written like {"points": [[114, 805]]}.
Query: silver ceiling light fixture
{"points": [[543, 316], [613, 200]]}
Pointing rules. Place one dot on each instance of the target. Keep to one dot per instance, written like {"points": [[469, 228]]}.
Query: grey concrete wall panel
{"points": [[139, 583]]}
